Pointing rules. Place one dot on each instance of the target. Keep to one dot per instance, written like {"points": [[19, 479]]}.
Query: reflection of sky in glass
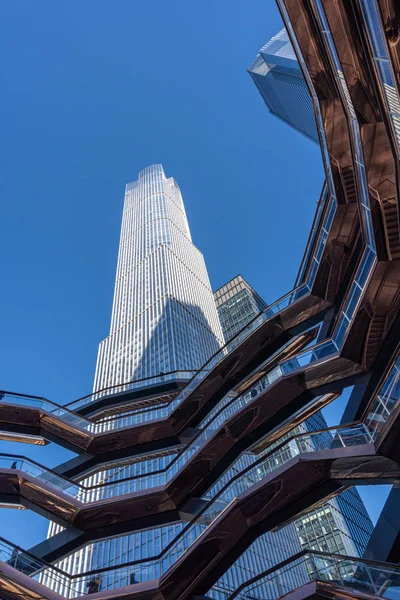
{"points": [[377, 40]]}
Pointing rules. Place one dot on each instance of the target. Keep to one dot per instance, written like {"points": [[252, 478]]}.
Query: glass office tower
{"points": [[237, 304], [163, 317], [279, 80]]}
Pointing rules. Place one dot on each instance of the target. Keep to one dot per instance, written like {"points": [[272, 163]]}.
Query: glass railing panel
{"points": [[215, 410], [131, 386], [354, 127], [311, 442], [386, 400], [322, 205], [340, 437], [321, 245], [364, 271], [352, 300], [141, 415], [154, 568], [34, 568], [321, 351], [371, 12], [377, 580], [313, 269], [25, 400], [379, 49], [230, 346], [138, 417], [40, 473], [305, 443], [341, 329], [330, 215], [300, 292], [40, 403]]}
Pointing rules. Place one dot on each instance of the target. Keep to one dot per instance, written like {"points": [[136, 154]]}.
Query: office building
{"points": [[163, 316], [237, 304], [280, 81]]}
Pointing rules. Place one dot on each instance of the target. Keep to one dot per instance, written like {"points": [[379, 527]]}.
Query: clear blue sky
{"points": [[92, 92]]}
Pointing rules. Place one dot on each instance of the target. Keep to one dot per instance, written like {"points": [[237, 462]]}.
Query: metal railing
{"points": [[154, 567], [376, 579]]}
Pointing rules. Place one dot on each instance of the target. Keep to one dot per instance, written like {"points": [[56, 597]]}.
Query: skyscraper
{"points": [[163, 317], [279, 79], [237, 304]]}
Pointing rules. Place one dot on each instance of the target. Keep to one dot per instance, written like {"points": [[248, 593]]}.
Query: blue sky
{"points": [[93, 92]]}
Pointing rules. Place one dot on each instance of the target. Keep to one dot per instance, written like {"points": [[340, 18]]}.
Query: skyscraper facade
{"points": [[279, 79], [163, 316], [237, 304]]}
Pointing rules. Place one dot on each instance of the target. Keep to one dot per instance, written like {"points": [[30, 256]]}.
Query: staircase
{"points": [[375, 335], [349, 184], [333, 281], [390, 216]]}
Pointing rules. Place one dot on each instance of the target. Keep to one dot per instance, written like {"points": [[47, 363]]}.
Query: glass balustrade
{"points": [[154, 568], [139, 384], [377, 41], [64, 414], [40, 473], [377, 580], [323, 202], [224, 411], [132, 417], [386, 400]]}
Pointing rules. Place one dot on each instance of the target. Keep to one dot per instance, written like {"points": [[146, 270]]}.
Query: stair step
{"points": [[389, 209]]}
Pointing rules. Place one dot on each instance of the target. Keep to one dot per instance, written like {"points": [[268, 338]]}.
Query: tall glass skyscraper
{"points": [[279, 79], [163, 317]]}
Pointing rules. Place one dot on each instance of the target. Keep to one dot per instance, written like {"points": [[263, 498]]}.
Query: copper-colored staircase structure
{"points": [[350, 280]]}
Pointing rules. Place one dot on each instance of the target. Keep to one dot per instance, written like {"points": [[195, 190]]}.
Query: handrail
{"points": [[307, 552], [379, 52], [322, 206], [206, 507], [117, 385], [375, 194], [285, 352], [65, 406], [288, 561], [367, 416], [133, 477]]}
